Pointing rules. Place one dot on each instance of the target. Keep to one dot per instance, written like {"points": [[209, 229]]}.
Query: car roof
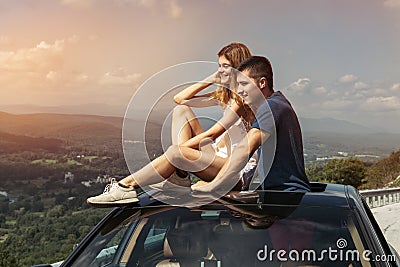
{"points": [[321, 195]]}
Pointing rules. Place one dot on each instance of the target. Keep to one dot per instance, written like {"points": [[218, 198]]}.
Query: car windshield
{"points": [[227, 235]]}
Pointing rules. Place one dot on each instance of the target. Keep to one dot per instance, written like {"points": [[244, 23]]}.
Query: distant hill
{"points": [[89, 109], [333, 126], [328, 136], [321, 136], [75, 130], [325, 143], [102, 110], [17, 143], [58, 125]]}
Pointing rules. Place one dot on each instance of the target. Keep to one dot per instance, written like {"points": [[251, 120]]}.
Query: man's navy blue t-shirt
{"points": [[281, 158]]}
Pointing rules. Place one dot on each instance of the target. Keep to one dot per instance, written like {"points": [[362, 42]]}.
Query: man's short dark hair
{"points": [[258, 67]]}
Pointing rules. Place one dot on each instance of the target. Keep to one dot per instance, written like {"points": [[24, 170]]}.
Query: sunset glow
{"points": [[337, 58]]}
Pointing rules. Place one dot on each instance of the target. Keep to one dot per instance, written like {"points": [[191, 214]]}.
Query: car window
{"points": [[104, 247], [232, 236], [106, 255], [155, 238]]}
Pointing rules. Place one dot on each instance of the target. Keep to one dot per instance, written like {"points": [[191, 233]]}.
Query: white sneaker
{"points": [[114, 195]]}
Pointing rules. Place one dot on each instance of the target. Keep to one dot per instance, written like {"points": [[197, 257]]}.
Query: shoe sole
{"points": [[118, 203]]}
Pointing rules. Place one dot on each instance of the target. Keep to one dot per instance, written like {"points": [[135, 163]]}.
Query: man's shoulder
{"points": [[278, 98], [277, 102]]}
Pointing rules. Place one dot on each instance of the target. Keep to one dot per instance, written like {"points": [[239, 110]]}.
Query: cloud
{"points": [[5, 40], [53, 76], [320, 90], [77, 3], [395, 87], [360, 85], [146, 3], [74, 39], [82, 77], [119, 77], [42, 57], [391, 3], [349, 78], [380, 103], [93, 37], [299, 86], [174, 10], [337, 104]]}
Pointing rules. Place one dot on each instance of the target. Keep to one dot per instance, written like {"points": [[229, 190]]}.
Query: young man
{"points": [[276, 134]]}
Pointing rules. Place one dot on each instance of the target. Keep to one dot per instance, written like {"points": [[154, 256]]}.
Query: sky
{"points": [[336, 59]]}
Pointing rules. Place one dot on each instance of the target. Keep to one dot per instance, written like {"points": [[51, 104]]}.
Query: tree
{"points": [[384, 173], [350, 171], [4, 205], [6, 257], [313, 173], [2, 220]]}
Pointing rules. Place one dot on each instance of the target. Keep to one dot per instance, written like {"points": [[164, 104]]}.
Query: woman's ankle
{"points": [[128, 182]]}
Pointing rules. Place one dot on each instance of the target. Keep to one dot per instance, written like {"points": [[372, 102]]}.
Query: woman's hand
{"points": [[214, 78]]}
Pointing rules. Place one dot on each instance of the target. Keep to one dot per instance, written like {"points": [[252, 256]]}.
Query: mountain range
{"points": [[88, 109], [104, 110], [337, 135]]}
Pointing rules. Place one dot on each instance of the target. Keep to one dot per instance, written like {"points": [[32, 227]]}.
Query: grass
{"points": [[11, 222], [3, 237], [90, 158], [44, 161], [54, 161], [73, 162]]}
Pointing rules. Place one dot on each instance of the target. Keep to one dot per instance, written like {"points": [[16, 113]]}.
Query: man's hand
{"points": [[202, 186], [228, 177]]}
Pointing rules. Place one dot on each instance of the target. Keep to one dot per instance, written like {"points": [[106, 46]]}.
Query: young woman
{"points": [[193, 149], [186, 128]]}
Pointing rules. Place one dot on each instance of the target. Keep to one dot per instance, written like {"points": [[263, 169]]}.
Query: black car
{"points": [[330, 226]]}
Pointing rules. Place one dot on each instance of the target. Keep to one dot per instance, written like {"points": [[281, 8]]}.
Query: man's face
{"points": [[248, 89]]}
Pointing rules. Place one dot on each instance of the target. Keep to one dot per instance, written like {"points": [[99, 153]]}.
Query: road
{"points": [[388, 218]]}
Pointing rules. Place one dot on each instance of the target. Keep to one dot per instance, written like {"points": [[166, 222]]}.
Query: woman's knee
{"points": [[172, 153], [180, 155], [181, 110]]}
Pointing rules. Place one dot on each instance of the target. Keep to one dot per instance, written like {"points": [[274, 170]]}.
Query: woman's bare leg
{"points": [[203, 163], [185, 125], [154, 172]]}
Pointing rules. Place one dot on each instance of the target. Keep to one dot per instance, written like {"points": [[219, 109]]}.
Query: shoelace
{"points": [[110, 186]]}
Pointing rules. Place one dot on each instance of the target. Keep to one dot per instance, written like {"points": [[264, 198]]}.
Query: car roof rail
{"points": [[318, 187]]}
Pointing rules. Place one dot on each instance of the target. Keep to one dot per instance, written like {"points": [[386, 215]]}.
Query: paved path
{"points": [[388, 218]]}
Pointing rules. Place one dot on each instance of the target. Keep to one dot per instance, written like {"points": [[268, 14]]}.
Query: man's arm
{"points": [[235, 163]]}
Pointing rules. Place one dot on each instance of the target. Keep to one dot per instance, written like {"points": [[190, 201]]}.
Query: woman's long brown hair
{"points": [[235, 53]]}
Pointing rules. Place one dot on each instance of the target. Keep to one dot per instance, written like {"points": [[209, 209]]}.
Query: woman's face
{"points": [[224, 69]]}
